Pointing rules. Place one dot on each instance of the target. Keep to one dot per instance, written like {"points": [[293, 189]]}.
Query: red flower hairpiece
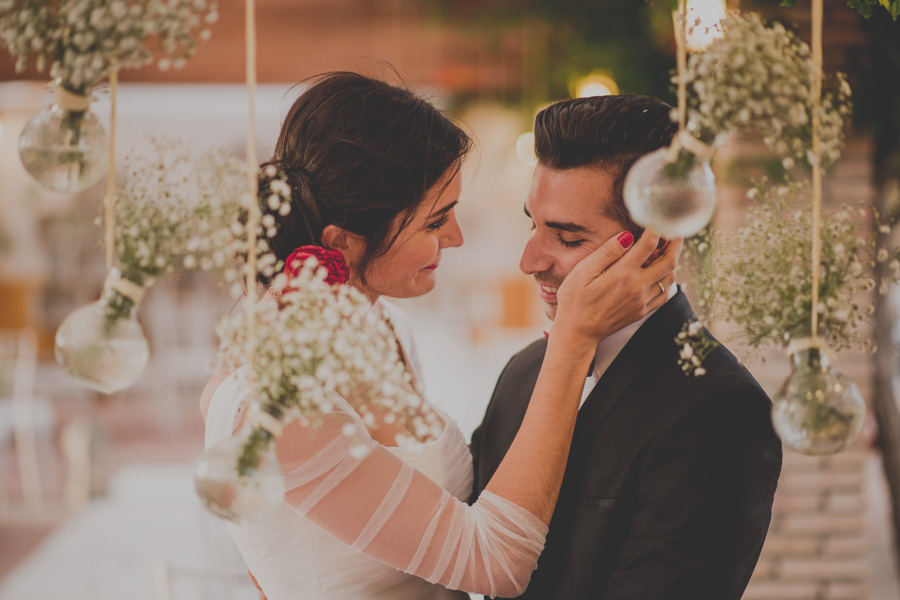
{"points": [[331, 259]]}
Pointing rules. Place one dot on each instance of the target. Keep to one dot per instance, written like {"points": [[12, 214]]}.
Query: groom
{"points": [[668, 490]]}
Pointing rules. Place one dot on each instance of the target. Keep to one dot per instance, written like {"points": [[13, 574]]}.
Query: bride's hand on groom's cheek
{"points": [[660, 251], [611, 288]]}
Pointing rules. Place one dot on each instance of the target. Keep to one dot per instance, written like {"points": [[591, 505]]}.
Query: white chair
{"points": [[180, 319], [23, 416]]}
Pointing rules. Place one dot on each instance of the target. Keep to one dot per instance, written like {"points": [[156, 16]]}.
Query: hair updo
{"points": [[357, 153]]}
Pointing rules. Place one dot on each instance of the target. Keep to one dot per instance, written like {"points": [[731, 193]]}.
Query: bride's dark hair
{"points": [[359, 152]]}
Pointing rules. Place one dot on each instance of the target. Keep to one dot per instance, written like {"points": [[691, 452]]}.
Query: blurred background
{"points": [[96, 498]]}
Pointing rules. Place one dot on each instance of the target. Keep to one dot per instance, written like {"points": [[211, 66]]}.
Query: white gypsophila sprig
{"points": [[219, 184], [313, 340], [758, 79], [28, 28], [82, 40], [273, 197], [175, 202], [694, 344], [762, 281]]}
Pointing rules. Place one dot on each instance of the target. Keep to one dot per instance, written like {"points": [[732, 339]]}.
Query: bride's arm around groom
{"points": [[368, 498]]}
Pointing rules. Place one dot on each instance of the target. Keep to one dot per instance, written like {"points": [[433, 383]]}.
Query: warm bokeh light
{"points": [[596, 83], [703, 17], [525, 149]]}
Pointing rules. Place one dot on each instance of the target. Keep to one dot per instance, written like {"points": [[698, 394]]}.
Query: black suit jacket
{"points": [[668, 491]]}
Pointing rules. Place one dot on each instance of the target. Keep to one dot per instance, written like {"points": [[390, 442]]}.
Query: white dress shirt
{"points": [[609, 348]]}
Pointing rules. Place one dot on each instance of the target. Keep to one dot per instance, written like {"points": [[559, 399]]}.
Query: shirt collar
{"points": [[608, 349]]}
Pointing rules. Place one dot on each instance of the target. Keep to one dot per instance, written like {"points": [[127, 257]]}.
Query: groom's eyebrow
{"points": [[562, 225]]}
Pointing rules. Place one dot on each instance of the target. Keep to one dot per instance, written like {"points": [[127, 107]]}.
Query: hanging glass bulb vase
{"points": [[64, 147], [817, 410], [240, 479], [672, 190], [102, 345]]}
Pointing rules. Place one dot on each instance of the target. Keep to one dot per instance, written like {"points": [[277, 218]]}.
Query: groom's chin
{"points": [[550, 310]]}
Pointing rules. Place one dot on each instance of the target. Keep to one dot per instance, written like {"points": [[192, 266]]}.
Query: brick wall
{"points": [[817, 546]]}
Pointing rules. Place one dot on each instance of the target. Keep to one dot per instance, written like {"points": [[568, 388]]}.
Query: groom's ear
{"points": [[660, 249], [350, 244]]}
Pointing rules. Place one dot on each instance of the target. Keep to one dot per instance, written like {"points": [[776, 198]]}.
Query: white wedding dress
{"points": [[361, 521]]}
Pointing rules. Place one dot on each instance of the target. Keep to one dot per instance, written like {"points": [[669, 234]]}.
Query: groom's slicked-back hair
{"points": [[608, 132]]}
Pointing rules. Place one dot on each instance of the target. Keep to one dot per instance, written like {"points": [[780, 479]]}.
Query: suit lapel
{"points": [[660, 329]]}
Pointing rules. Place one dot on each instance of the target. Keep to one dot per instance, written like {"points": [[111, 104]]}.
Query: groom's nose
{"points": [[534, 258]]}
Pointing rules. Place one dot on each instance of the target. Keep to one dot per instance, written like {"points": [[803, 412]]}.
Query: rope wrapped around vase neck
{"points": [[69, 101], [131, 290]]}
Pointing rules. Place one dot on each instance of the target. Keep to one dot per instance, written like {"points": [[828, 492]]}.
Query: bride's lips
{"points": [[547, 293], [433, 266]]}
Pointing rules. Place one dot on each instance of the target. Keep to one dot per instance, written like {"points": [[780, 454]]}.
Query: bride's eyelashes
{"points": [[439, 223]]}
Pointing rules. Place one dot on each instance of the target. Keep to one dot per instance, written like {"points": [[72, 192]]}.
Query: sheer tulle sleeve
{"points": [[362, 494]]}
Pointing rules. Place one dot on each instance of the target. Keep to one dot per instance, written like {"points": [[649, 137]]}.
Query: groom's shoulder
{"points": [[530, 355], [726, 393], [721, 369], [523, 366], [725, 368], [722, 373]]}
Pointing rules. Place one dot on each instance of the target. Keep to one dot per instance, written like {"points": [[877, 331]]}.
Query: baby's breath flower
{"points": [[82, 40], [761, 279], [175, 201], [170, 203], [314, 340], [696, 344], [768, 96]]}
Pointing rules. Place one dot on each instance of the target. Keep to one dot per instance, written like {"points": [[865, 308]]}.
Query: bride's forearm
{"points": [[531, 472]]}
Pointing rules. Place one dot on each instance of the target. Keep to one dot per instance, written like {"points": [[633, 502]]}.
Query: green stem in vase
{"points": [[681, 166], [73, 121], [257, 444]]}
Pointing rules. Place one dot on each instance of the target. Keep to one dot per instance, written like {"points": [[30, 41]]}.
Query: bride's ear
{"points": [[351, 245]]}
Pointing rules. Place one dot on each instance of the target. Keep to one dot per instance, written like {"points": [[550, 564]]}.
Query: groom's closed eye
{"points": [[569, 226], [570, 243], [561, 226]]}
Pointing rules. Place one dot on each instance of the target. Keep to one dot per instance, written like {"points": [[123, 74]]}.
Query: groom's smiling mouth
{"points": [[547, 293]]}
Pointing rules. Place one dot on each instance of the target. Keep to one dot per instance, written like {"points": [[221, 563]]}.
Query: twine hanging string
{"points": [[684, 139], [681, 61], [816, 161], [679, 20], [110, 202], [253, 217]]}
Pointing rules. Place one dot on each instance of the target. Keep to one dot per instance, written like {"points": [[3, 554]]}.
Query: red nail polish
{"points": [[625, 239]]}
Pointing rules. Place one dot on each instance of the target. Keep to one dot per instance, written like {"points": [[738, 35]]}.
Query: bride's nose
{"points": [[452, 233]]}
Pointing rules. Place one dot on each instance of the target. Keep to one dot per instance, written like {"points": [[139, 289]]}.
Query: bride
{"points": [[374, 173]]}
